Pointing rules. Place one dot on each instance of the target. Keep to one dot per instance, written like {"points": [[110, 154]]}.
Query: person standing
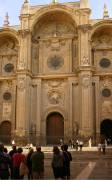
{"points": [[37, 159], [57, 163], [67, 158], [18, 158], [29, 162], [11, 153], [5, 163]]}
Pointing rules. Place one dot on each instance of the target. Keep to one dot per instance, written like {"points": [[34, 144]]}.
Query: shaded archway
{"points": [[106, 130], [5, 132], [54, 128]]}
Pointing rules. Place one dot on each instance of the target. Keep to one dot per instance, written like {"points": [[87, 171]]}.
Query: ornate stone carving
{"points": [[84, 27], [102, 42], [8, 48], [106, 108], [85, 61], [86, 81], [54, 97], [7, 110], [21, 83], [24, 33], [53, 29], [55, 83]]}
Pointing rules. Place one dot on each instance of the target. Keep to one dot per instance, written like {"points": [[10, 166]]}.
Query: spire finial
{"points": [[54, 1], [105, 12], [25, 7], [6, 20], [84, 4], [26, 1]]}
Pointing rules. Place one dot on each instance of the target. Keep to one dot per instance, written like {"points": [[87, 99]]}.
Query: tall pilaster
{"points": [[23, 76], [86, 115], [39, 120], [85, 76]]}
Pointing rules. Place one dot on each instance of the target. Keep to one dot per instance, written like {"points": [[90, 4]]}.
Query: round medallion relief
{"points": [[7, 96], [105, 63], [55, 62], [9, 67], [106, 92]]}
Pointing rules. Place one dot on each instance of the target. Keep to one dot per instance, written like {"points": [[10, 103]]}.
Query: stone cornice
{"points": [[85, 27], [24, 32]]}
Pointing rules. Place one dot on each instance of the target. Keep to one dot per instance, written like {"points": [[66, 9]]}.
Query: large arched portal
{"points": [[106, 130], [54, 128], [5, 132]]}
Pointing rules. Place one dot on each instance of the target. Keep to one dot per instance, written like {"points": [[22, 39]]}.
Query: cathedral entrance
{"points": [[5, 132], [54, 128], [106, 130]]}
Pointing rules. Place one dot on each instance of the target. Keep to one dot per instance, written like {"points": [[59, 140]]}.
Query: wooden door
{"points": [[5, 132], [54, 128]]}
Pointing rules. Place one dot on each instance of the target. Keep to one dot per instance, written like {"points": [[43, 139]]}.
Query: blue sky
{"points": [[13, 8]]}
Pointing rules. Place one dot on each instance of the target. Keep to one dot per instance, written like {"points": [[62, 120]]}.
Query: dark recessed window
{"points": [[7, 96], [9, 67], [55, 62], [105, 63], [106, 92]]}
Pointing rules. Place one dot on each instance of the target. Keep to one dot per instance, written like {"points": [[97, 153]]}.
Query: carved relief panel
{"points": [[101, 52], [53, 93], [8, 56], [55, 56], [106, 97], [55, 33], [7, 100]]}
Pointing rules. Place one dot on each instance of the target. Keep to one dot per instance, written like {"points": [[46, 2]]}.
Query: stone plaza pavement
{"points": [[86, 165]]}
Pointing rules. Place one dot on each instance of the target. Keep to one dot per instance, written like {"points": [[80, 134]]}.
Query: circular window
{"points": [[55, 62], [9, 67], [105, 63], [106, 92], [7, 96]]}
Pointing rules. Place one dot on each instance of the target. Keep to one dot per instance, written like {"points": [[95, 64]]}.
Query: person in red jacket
{"points": [[17, 159]]}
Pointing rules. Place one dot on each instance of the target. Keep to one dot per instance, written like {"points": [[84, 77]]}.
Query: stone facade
{"points": [[57, 61]]}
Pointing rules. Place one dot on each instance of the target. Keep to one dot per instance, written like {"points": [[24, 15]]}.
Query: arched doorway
{"points": [[54, 128], [106, 130], [5, 132]]}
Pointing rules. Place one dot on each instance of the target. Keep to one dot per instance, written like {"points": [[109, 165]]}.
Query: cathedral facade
{"points": [[56, 74]]}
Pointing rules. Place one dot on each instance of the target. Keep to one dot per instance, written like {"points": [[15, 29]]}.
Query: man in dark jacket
{"points": [[37, 159], [66, 164], [5, 163]]}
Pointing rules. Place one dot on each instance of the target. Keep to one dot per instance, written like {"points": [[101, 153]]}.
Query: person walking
{"points": [[67, 158], [37, 159], [57, 163]]}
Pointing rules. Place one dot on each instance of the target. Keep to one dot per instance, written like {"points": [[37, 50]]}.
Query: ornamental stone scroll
{"points": [[21, 83], [86, 81]]}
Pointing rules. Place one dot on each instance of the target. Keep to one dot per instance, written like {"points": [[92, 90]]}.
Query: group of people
{"points": [[16, 165], [78, 145]]}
